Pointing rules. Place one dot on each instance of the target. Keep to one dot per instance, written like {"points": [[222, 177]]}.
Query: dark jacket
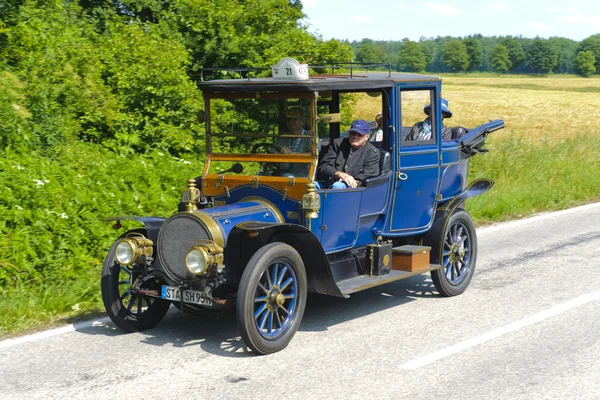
{"points": [[361, 164]]}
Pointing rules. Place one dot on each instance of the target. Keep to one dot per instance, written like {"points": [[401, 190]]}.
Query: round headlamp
{"points": [[132, 247], [196, 260], [125, 252]]}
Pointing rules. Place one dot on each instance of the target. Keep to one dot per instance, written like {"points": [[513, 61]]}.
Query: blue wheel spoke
{"points": [[285, 310], [446, 253], [260, 298], [270, 323], [130, 304], [274, 283], [263, 320], [264, 289], [278, 319], [281, 275], [260, 310], [286, 283], [268, 280], [125, 294]]}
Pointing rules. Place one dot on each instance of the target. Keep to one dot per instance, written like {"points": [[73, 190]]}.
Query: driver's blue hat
{"points": [[360, 126], [447, 113]]}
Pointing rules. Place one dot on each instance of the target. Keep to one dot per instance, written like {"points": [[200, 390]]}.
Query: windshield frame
{"points": [[306, 158]]}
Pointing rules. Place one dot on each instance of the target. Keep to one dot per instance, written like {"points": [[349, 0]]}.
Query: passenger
{"points": [[295, 125], [350, 161], [379, 133], [422, 130]]}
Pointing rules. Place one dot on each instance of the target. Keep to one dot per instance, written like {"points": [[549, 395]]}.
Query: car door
{"points": [[418, 162]]}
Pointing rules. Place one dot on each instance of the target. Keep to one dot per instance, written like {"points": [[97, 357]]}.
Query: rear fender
{"points": [[246, 238], [435, 235]]}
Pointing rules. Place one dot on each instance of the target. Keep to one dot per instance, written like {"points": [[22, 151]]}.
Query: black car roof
{"points": [[356, 81]]}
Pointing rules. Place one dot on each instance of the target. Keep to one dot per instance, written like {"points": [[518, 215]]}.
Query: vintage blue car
{"points": [[254, 232]]}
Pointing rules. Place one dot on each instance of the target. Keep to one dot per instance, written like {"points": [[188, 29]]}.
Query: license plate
{"points": [[189, 296]]}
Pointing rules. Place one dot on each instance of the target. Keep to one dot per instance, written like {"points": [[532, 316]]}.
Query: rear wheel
{"points": [[458, 255], [271, 298], [129, 309]]}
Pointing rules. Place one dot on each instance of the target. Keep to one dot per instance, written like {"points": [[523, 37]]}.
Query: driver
{"points": [[295, 122]]}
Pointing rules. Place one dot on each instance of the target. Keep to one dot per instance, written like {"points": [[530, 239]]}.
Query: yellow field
{"points": [[531, 106]]}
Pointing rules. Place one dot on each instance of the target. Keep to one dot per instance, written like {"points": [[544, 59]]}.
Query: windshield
{"points": [[257, 127]]}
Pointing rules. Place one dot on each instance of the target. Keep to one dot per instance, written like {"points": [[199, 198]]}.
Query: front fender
{"points": [[152, 224], [246, 238]]}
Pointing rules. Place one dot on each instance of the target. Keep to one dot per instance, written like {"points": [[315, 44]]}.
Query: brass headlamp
{"points": [[131, 248], [203, 255]]}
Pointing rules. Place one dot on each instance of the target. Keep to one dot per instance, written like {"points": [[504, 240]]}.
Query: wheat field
{"points": [[532, 107]]}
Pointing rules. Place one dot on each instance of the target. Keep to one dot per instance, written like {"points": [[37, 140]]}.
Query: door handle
{"points": [[402, 176]]}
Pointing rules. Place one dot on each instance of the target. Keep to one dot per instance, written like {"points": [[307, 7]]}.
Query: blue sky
{"points": [[398, 19]]}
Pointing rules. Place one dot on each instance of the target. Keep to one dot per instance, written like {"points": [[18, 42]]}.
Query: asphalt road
{"points": [[527, 328]]}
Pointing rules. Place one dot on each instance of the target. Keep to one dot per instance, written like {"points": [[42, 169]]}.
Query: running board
{"points": [[363, 282]]}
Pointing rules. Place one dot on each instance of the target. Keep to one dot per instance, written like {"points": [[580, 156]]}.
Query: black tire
{"points": [[457, 255], [269, 310], [130, 311]]}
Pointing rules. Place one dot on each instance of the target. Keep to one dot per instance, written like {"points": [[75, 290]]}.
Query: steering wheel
{"points": [[269, 148]]}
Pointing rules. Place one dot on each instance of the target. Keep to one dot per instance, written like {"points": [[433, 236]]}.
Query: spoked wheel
{"points": [[129, 309], [458, 255], [271, 298]]}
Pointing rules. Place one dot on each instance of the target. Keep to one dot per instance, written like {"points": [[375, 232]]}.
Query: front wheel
{"points": [[271, 298], [458, 255], [129, 309]]}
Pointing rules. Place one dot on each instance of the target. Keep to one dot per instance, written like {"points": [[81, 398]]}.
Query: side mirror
{"points": [[237, 168]]}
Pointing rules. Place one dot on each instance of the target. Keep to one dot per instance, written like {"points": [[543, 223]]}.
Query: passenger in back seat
{"points": [[422, 130]]}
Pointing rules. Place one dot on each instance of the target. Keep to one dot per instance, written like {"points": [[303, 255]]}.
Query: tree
{"points": [[370, 53], [474, 52], [455, 56], [585, 63], [592, 44], [516, 54], [499, 59], [542, 56], [411, 57]]}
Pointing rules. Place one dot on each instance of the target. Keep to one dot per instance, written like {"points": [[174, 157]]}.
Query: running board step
{"points": [[363, 282]]}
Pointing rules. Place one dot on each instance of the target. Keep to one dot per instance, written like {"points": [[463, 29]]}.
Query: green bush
{"points": [[52, 237]]}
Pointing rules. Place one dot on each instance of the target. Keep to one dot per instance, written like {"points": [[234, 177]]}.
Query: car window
{"points": [[418, 119]]}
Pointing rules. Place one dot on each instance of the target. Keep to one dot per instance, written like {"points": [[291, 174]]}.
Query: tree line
{"points": [[507, 54]]}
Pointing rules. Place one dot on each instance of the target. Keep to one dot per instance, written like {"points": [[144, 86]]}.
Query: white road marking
{"points": [[477, 340], [53, 332]]}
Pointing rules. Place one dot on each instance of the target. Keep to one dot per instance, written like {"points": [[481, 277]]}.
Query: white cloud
{"points": [[554, 9], [310, 3], [498, 6], [443, 9], [538, 27], [362, 19]]}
